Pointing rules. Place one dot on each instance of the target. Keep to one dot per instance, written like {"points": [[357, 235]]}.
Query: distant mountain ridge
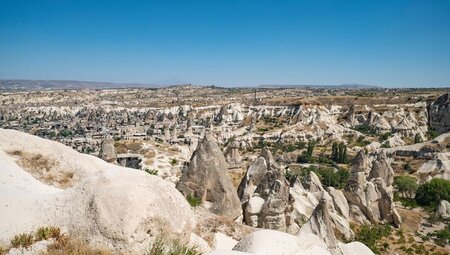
{"points": [[341, 86], [72, 84], [67, 84]]}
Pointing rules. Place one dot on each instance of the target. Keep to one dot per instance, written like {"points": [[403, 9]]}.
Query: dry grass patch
{"points": [[150, 154], [45, 169], [166, 246], [411, 219], [236, 177], [74, 246]]}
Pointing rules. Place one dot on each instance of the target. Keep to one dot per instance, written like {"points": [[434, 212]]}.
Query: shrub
{"points": [[151, 171], [407, 167], [328, 176], [441, 237], [164, 246], [173, 162], [417, 138], [364, 129], [44, 233], [65, 132], [431, 134], [371, 235], [384, 136], [361, 142], [406, 202], [194, 201], [430, 193], [22, 240], [306, 156]]}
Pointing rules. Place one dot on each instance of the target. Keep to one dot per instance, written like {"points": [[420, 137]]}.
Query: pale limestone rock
{"points": [[251, 179], [206, 178], [443, 209], [107, 150], [312, 183]]}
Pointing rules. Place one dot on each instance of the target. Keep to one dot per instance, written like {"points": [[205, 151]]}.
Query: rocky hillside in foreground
{"points": [[125, 210]]}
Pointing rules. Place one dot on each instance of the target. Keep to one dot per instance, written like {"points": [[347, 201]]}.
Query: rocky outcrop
{"points": [[251, 179], [274, 189], [206, 178], [443, 209], [382, 169], [330, 219], [111, 206], [107, 150], [232, 155], [312, 183], [320, 223], [269, 205], [439, 113], [370, 193]]}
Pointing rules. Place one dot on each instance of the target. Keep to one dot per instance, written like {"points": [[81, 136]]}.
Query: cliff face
{"points": [[440, 114]]}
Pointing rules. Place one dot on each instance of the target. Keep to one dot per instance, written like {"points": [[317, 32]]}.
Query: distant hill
{"points": [[342, 86], [60, 84], [66, 84]]}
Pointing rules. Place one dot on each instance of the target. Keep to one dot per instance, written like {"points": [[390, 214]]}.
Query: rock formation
{"points": [[382, 169], [369, 192], [320, 223], [232, 155], [251, 179], [115, 207], [206, 178], [443, 209], [312, 183], [440, 114], [269, 205], [107, 150]]}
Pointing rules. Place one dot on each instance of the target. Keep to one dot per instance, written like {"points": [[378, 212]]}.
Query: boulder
{"points": [[271, 242], [223, 242], [206, 178], [443, 209], [355, 248], [107, 150]]}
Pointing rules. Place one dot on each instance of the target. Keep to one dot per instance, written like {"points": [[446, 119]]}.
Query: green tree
{"points": [[406, 185], [339, 153], [306, 156], [334, 152], [430, 193], [417, 138]]}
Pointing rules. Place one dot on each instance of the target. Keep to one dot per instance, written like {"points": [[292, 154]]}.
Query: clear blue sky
{"points": [[388, 43]]}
